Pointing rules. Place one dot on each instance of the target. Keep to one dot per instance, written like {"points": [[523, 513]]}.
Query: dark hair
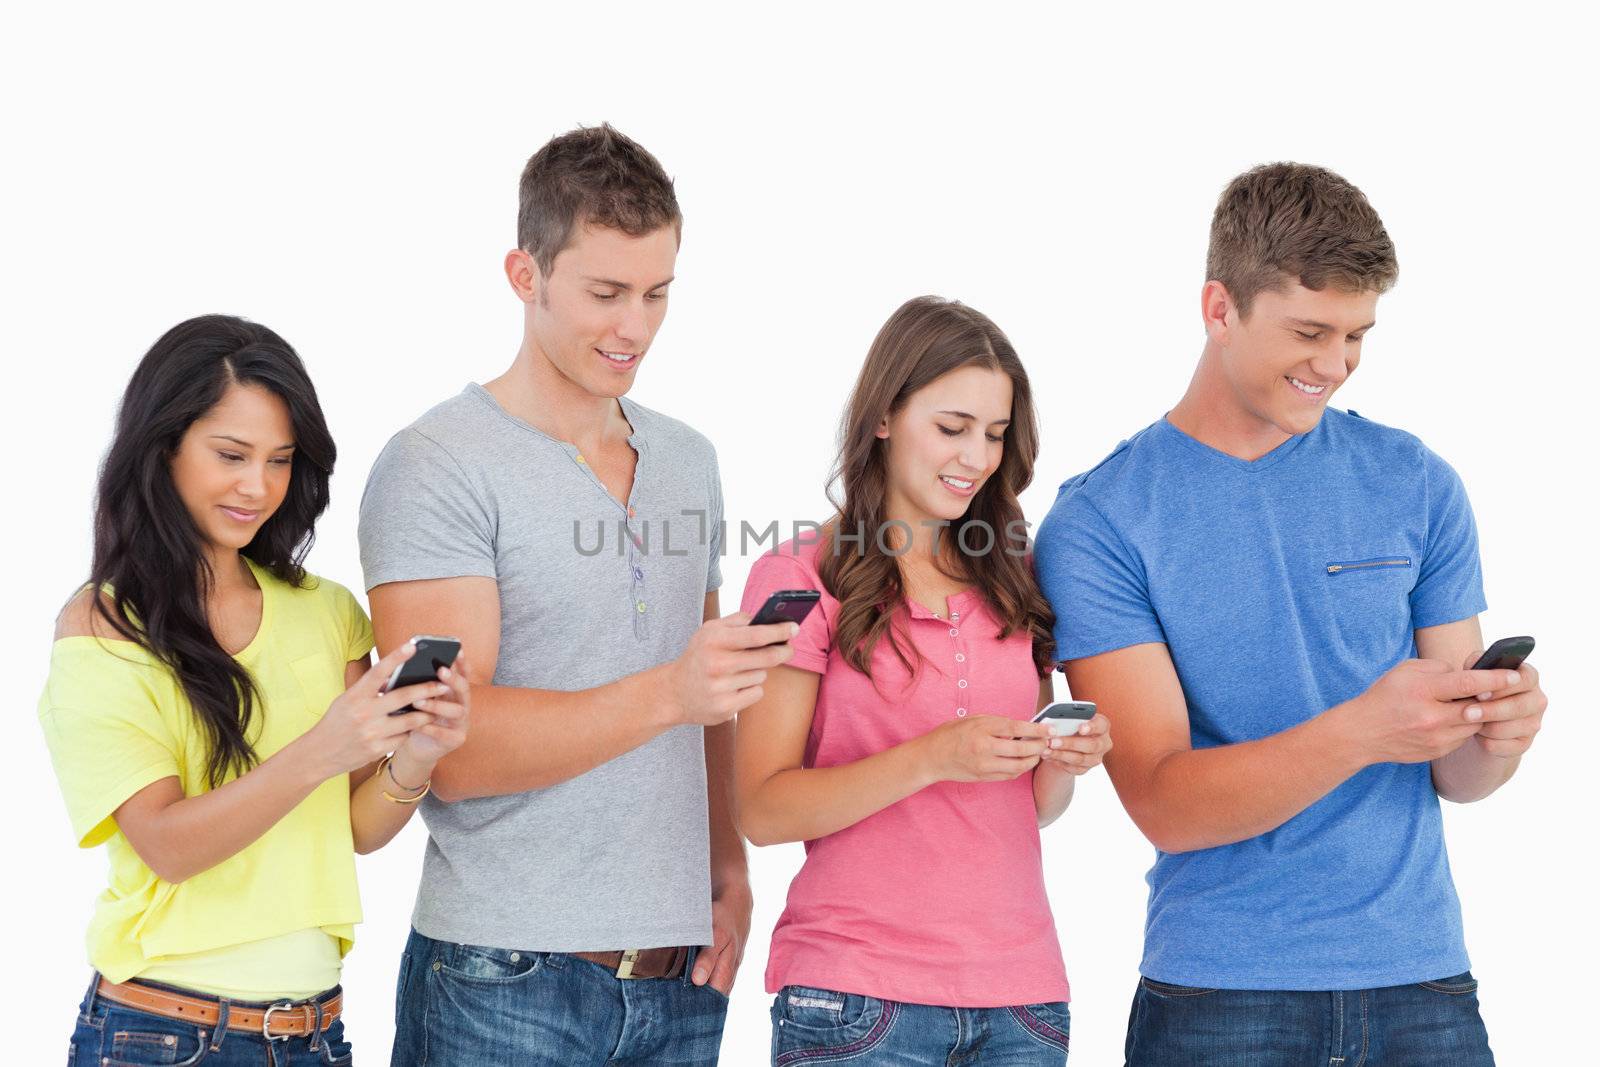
{"points": [[592, 174], [924, 339], [1291, 221], [147, 548]]}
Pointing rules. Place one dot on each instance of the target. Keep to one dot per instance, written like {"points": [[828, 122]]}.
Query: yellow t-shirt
{"points": [[116, 720]]}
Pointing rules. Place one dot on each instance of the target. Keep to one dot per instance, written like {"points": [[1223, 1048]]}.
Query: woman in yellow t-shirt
{"points": [[214, 722]]}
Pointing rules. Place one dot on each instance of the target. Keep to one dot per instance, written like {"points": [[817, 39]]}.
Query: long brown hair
{"points": [[926, 338]]}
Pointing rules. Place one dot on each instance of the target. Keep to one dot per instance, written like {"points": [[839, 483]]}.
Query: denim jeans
{"points": [[113, 1035], [1428, 1024], [472, 1006], [815, 1026]]}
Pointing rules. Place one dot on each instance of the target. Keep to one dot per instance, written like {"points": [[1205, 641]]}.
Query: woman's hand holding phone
{"points": [[428, 744], [1082, 750], [984, 748], [358, 726]]}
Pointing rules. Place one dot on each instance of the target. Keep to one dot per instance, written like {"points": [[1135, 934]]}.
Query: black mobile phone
{"points": [[1505, 654], [423, 666], [786, 605], [1065, 716]]}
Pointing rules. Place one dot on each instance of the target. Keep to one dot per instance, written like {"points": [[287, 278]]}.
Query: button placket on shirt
{"points": [[635, 562], [959, 651]]}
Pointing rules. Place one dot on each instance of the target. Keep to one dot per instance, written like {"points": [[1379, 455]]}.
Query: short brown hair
{"points": [[591, 175], [1290, 221]]}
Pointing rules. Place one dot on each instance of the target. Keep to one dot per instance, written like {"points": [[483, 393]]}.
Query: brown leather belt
{"points": [[282, 1021], [641, 962]]}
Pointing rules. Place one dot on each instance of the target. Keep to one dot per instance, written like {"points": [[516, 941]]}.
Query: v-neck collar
{"points": [[636, 440], [1249, 466]]}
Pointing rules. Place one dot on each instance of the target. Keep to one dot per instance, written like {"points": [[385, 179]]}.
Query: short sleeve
{"points": [[353, 623], [1095, 584], [420, 517], [1450, 581], [103, 725], [773, 572], [714, 527]]}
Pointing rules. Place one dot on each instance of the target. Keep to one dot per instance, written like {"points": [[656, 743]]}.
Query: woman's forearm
{"points": [[1052, 791], [804, 804], [374, 818], [180, 838]]}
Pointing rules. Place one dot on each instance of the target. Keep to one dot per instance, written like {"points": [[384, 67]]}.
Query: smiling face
{"points": [[593, 317], [945, 443], [231, 468], [1284, 360]]}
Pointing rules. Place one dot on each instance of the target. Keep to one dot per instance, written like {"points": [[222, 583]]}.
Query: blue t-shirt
{"points": [[1281, 587]]}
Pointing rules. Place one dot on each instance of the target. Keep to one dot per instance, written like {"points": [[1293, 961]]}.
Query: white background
{"points": [[348, 177]]}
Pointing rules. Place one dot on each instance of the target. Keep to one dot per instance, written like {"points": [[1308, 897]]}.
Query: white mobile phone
{"points": [[1065, 716]]}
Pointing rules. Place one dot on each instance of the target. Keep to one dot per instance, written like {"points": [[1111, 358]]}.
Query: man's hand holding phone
{"points": [[720, 673], [1422, 710], [1510, 717]]}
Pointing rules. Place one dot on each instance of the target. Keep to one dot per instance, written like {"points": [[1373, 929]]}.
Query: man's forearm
{"points": [[525, 739], [1469, 773], [729, 866], [1203, 798]]}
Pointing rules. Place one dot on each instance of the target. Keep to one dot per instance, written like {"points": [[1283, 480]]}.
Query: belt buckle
{"points": [[266, 1020], [625, 967]]}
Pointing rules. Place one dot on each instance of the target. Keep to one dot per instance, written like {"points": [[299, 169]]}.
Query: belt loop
{"points": [[222, 1025], [94, 992], [316, 1027]]}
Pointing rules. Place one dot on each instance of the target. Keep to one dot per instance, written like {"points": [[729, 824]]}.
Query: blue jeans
{"points": [[112, 1035], [1428, 1024], [815, 1026], [472, 1006]]}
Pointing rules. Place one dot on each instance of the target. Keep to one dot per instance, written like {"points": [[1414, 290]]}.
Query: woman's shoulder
{"points": [[796, 556], [82, 616], [89, 654], [313, 592]]}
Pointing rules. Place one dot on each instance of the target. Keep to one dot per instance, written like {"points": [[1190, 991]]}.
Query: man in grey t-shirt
{"points": [[584, 896]]}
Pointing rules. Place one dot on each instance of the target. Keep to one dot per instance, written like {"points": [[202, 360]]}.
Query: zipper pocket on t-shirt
{"points": [[1367, 564]]}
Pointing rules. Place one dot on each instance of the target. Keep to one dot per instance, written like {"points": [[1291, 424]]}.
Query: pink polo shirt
{"points": [[938, 899]]}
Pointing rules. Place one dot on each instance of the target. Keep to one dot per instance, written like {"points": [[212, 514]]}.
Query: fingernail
{"points": [[1513, 678], [1473, 714], [1084, 728], [794, 628], [1055, 742]]}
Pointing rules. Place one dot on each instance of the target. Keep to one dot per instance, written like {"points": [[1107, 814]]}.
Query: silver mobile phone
{"points": [[1065, 716]]}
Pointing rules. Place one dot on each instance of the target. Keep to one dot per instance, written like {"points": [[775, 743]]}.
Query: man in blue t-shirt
{"points": [[1273, 602]]}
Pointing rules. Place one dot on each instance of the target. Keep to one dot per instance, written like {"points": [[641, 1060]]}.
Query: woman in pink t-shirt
{"points": [[896, 743]]}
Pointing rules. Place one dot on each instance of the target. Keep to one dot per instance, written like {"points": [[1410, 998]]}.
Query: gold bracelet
{"points": [[385, 768]]}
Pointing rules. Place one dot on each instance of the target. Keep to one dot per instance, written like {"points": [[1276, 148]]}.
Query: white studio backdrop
{"points": [[347, 176]]}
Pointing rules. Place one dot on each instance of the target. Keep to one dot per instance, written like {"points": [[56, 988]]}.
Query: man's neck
{"points": [[536, 392], [1211, 414]]}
